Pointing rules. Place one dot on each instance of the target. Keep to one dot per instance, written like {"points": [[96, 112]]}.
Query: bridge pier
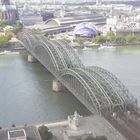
{"points": [[56, 86], [31, 59]]}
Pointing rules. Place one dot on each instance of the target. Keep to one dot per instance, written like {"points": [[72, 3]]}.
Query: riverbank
{"points": [[93, 45], [86, 126], [12, 47]]}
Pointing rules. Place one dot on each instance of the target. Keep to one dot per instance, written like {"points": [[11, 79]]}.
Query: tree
{"points": [[96, 138], [18, 27], [2, 24], [100, 138], [110, 36], [13, 125], [89, 138], [65, 39], [130, 38], [3, 41], [8, 28], [44, 133], [110, 33], [119, 38], [99, 39], [80, 41], [8, 34]]}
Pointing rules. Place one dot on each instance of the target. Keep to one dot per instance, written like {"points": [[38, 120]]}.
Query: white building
{"points": [[98, 2], [111, 23], [17, 135]]}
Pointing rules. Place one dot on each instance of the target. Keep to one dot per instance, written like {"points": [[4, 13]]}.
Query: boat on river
{"points": [[8, 53], [86, 48], [106, 47]]}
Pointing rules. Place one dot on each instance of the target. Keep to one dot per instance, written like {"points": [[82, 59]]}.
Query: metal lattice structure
{"points": [[98, 89]]}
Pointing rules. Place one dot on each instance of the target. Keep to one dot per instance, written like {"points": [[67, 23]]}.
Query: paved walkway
{"points": [[55, 125], [96, 125]]}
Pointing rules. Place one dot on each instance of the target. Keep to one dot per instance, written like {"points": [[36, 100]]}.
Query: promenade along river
{"points": [[25, 88]]}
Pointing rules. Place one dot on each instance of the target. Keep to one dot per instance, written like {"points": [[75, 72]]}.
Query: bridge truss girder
{"points": [[98, 89]]}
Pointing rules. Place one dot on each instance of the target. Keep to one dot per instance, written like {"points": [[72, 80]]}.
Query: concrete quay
{"points": [[83, 127]]}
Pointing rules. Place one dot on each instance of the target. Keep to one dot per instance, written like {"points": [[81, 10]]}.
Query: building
{"points": [[20, 133], [96, 19], [17, 135], [98, 2], [8, 12], [47, 16], [66, 24], [128, 31], [85, 29]]}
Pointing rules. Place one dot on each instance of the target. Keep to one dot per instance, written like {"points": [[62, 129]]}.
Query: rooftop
{"points": [[14, 134], [98, 18], [20, 132]]}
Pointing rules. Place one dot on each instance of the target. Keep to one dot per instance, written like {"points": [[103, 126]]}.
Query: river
{"points": [[25, 88]]}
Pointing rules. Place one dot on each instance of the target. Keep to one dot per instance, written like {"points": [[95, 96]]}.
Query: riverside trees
{"points": [[112, 38], [45, 133]]}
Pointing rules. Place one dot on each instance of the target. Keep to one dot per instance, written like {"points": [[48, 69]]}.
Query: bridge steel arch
{"points": [[69, 53], [98, 89], [41, 51], [100, 93], [122, 91]]}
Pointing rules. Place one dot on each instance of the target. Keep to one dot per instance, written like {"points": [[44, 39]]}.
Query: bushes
{"points": [[2, 24], [18, 27], [99, 39], [14, 28], [80, 41], [96, 138], [4, 42], [9, 34], [112, 38], [65, 39], [131, 38], [13, 125], [44, 133], [119, 39]]}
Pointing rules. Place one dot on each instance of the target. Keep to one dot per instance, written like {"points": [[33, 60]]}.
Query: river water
{"points": [[25, 88]]}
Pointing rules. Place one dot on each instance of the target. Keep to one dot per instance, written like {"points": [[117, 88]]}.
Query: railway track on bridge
{"points": [[128, 127]]}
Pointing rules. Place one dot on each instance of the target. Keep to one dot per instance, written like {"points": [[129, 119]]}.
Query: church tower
{"points": [[5, 2], [8, 12]]}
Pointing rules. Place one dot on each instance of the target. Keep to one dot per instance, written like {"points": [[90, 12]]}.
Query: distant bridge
{"points": [[98, 89]]}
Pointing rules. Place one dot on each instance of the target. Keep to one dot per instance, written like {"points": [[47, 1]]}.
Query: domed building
{"points": [[85, 29]]}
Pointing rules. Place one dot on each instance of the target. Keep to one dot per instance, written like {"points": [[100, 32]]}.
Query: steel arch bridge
{"points": [[98, 89]]}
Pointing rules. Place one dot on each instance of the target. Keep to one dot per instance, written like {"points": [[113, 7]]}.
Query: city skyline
{"points": [[67, 0]]}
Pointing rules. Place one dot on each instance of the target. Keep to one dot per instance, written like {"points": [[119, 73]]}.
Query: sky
{"points": [[79, 0], [67, 0]]}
